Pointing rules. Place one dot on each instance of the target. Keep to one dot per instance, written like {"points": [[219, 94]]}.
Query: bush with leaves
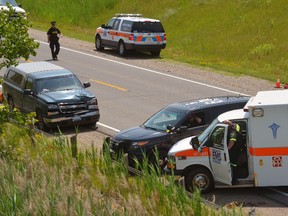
{"points": [[14, 38]]}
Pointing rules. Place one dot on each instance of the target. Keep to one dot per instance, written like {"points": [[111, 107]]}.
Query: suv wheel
{"points": [[98, 43], [122, 49], [155, 53], [158, 161]]}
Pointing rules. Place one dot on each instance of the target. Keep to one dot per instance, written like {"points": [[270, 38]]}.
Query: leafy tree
{"points": [[14, 38]]}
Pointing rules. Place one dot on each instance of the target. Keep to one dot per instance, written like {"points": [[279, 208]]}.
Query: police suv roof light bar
{"points": [[128, 15]]}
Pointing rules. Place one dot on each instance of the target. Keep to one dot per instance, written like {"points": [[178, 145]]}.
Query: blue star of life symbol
{"points": [[274, 127]]}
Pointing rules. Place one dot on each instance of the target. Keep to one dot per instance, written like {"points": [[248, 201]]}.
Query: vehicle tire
{"points": [[156, 53], [98, 43], [199, 178], [11, 104], [41, 124], [122, 49], [158, 162]]}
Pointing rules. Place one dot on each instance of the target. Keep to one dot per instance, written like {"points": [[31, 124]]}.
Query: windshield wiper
{"points": [[150, 128]]}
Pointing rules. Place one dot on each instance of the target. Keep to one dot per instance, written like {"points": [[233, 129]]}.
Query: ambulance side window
{"points": [[217, 138]]}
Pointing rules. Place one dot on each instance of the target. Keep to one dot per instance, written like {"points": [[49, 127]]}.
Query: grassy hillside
{"points": [[46, 176], [243, 37]]}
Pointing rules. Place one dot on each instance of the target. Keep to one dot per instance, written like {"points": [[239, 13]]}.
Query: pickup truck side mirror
{"points": [[103, 26], [86, 84], [28, 92]]}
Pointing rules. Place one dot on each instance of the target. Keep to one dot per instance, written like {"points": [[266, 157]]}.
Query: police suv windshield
{"points": [[203, 136], [162, 119]]}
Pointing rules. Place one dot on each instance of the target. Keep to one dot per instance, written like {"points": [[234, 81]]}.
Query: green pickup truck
{"points": [[54, 93]]}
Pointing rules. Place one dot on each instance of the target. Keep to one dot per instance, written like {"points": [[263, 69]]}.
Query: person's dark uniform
{"points": [[234, 134], [53, 40]]}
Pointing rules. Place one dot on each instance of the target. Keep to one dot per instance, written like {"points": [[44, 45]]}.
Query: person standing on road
{"points": [[53, 35]]}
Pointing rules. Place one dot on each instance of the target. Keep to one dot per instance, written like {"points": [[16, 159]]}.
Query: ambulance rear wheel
{"points": [[122, 49], [98, 44], [200, 179]]}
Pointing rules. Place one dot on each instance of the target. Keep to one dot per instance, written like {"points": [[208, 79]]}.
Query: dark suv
{"points": [[171, 124], [54, 93]]}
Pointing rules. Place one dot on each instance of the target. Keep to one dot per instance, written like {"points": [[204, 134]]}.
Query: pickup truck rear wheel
{"points": [[11, 104], [199, 178]]}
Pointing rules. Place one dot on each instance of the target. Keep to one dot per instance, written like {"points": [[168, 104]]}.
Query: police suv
{"points": [[131, 32]]}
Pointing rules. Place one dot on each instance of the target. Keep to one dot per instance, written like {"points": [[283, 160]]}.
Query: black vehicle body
{"points": [[54, 93], [141, 141]]}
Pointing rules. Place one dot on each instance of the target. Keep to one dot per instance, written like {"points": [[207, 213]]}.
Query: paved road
{"points": [[128, 95]]}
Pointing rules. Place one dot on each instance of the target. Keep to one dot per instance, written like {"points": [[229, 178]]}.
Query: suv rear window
{"points": [[147, 27], [126, 26]]}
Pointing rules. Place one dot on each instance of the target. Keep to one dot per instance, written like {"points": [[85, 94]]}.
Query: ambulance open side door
{"points": [[219, 155]]}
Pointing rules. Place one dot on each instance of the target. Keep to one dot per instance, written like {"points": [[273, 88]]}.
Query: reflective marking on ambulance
{"points": [[268, 151], [193, 153]]}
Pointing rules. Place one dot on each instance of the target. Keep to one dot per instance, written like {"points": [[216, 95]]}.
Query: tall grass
{"points": [[243, 37], [42, 176]]}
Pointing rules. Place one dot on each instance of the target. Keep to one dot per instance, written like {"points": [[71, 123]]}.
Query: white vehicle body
{"points": [[264, 125], [131, 32], [16, 7]]}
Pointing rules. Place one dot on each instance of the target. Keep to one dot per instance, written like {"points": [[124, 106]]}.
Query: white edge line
{"points": [[145, 69], [106, 126], [275, 190]]}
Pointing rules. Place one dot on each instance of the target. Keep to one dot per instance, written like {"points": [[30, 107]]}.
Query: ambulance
{"points": [[203, 162]]}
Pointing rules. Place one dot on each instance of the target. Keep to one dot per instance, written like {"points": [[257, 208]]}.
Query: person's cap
{"points": [[53, 22]]}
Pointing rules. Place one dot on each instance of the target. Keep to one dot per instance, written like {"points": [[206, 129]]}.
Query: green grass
{"points": [[243, 37], [42, 175]]}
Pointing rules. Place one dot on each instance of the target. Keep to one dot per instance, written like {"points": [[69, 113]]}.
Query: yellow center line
{"points": [[110, 85]]}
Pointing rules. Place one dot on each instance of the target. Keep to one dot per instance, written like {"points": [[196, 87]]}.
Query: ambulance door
{"points": [[219, 156]]}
